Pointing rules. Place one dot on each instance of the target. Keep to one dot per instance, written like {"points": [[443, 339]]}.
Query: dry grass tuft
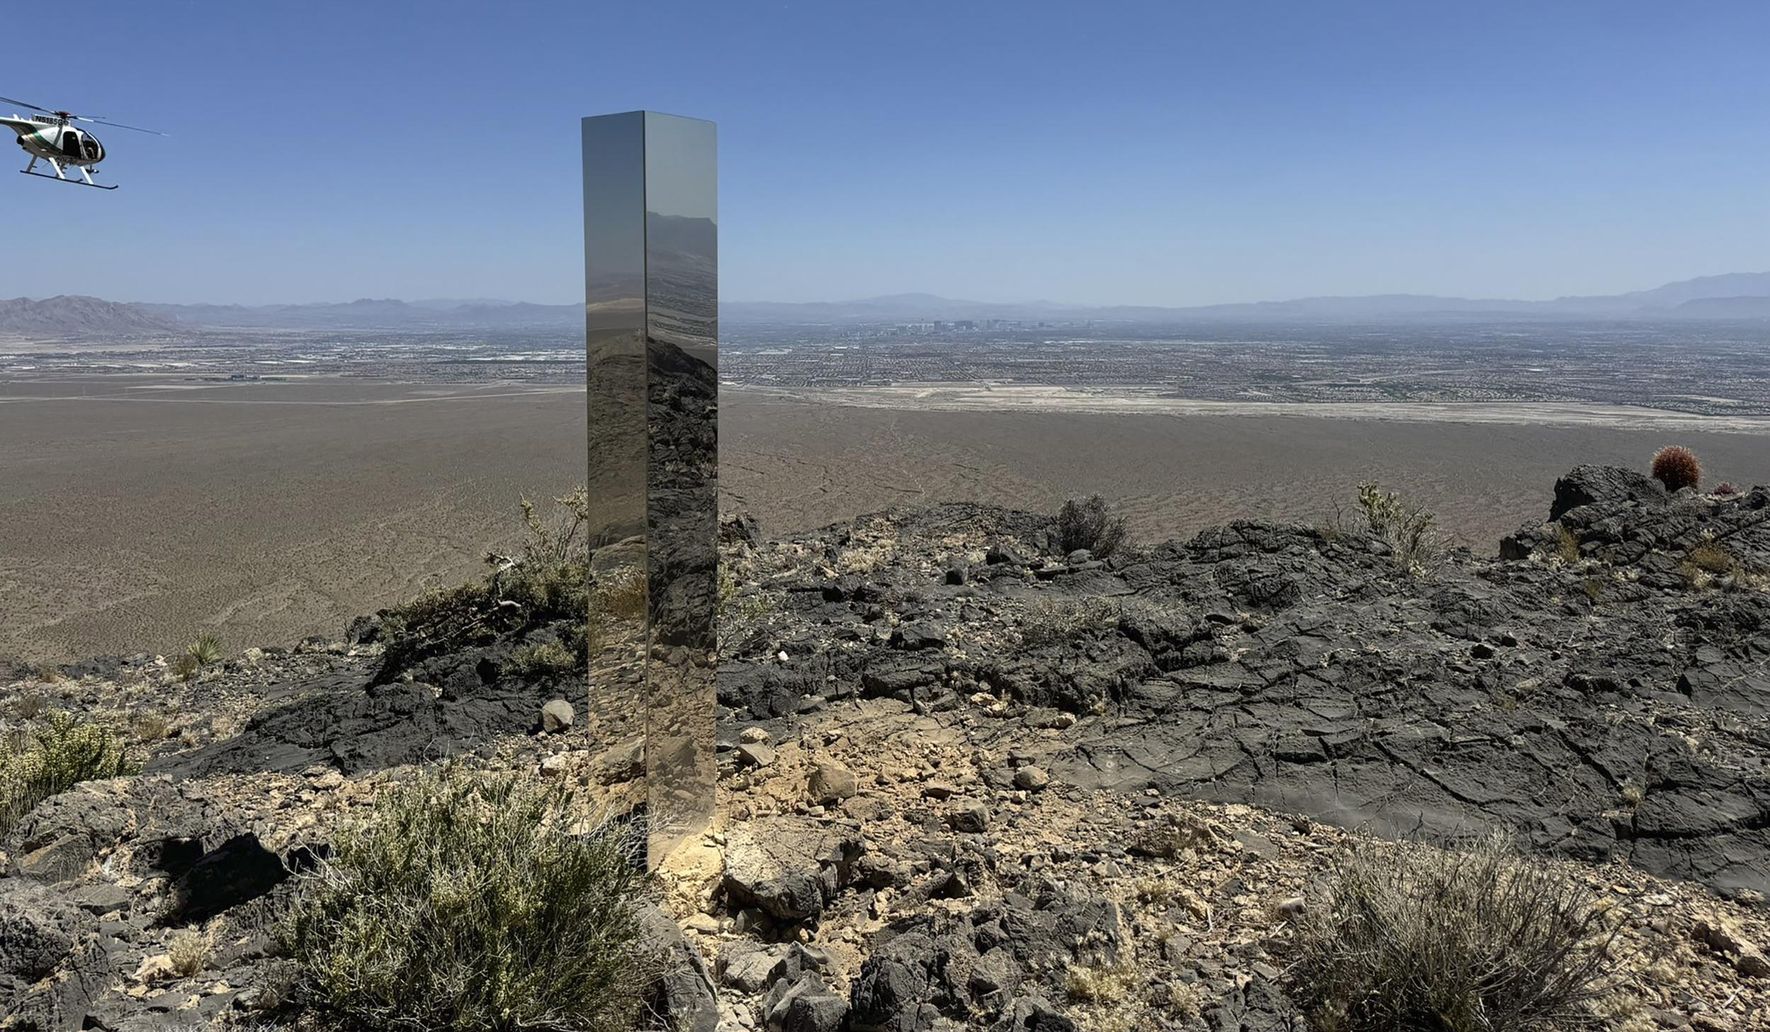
{"points": [[622, 594], [1478, 940], [150, 727], [1566, 545], [190, 951]]}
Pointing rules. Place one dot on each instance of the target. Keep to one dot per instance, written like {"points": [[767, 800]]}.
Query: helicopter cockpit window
{"points": [[70, 144], [90, 146]]}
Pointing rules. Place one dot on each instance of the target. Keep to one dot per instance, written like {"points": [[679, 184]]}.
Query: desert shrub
{"points": [[1407, 526], [1566, 545], [743, 610], [205, 650], [545, 659], [29, 706], [54, 758], [1676, 467], [150, 727], [1725, 489], [185, 667], [467, 902], [1479, 940], [545, 581], [1712, 557], [1090, 524], [1101, 983], [189, 951]]}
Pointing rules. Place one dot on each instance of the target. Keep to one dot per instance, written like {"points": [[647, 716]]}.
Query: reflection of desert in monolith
{"points": [[651, 335], [614, 323], [682, 414]]}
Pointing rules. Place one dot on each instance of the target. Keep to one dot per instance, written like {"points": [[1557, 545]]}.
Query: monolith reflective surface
{"points": [[651, 336]]}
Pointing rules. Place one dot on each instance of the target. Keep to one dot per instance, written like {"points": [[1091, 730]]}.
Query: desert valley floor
{"points": [[139, 512]]}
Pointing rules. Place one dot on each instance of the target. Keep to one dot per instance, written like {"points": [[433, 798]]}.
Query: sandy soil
{"points": [[801, 464], [135, 515]]}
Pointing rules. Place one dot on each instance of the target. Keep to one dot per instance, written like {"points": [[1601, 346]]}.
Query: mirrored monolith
{"points": [[651, 337]]}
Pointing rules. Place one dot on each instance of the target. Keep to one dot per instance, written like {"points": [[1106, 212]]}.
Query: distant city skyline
{"points": [[1118, 154]]}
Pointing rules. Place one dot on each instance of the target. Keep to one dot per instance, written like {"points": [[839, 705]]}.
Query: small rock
{"points": [[756, 754], [706, 924], [831, 782], [968, 815], [753, 734], [556, 716], [556, 765], [753, 970], [1290, 910], [1724, 938], [1031, 779], [623, 762]]}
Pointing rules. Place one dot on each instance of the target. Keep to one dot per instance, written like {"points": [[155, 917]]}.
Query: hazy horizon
{"points": [[943, 295]]}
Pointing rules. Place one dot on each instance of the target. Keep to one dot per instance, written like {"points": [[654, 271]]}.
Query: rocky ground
{"points": [[968, 782]]}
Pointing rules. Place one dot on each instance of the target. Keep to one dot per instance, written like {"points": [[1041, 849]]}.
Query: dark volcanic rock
{"points": [[51, 959], [1609, 707], [683, 996], [341, 720], [1586, 485]]}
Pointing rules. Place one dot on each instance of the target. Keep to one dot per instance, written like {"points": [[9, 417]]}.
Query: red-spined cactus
{"points": [[1725, 489], [1676, 467]]}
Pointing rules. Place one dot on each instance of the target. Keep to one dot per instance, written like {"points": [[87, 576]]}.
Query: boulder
{"points": [[830, 782], [556, 716], [898, 987], [683, 998], [788, 867], [1586, 485], [968, 815]]}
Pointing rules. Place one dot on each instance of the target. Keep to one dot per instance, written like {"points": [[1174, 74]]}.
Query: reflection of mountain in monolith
{"points": [[682, 275], [682, 520]]}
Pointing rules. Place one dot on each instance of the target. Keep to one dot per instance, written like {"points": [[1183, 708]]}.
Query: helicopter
{"points": [[50, 136]]}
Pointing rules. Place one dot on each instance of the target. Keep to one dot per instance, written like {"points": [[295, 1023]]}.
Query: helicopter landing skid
{"points": [[70, 182]]}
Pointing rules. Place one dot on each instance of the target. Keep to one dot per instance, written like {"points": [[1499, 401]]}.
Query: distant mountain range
{"points": [[1739, 295], [74, 316]]}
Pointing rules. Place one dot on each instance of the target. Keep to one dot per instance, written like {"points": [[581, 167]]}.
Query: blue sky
{"points": [[1164, 153]]}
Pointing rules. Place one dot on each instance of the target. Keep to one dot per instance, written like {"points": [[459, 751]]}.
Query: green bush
{"points": [[53, 759], [1090, 524], [205, 650], [1408, 527], [465, 902], [1411, 938]]}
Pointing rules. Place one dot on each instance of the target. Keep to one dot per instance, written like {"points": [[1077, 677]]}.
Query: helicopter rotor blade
{"points": [[119, 125], [22, 104]]}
